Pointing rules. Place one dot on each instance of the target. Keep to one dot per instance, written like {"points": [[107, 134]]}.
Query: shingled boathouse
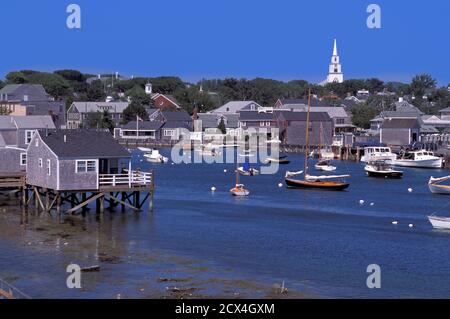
{"points": [[82, 166]]}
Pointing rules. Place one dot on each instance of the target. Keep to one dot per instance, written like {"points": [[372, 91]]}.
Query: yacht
{"points": [[419, 159], [378, 153]]}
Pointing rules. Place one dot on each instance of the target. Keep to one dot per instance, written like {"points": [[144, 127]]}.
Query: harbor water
{"points": [[319, 243]]}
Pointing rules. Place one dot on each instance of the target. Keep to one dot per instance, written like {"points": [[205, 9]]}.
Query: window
{"points": [[267, 123], [23, 159], [243, 123], [49, 171], [28, 136], [261, 123], [40, 162], [169, 133], [340, 121], [36, 142], [85, 166]]}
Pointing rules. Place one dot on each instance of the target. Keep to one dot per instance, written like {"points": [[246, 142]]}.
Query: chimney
{"points": [[65, 138]]}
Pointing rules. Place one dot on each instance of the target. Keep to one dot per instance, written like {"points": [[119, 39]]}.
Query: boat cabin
{"points": [[75, 160], [417, 155]]}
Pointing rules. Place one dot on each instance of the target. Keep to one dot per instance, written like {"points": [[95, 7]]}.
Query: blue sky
{"points": [[282, 39]]}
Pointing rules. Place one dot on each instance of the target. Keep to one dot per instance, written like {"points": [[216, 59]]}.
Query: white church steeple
{"points": [[335, 74]]}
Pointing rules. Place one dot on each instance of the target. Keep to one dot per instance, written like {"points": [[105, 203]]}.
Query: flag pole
{"points": [[137, 127]]}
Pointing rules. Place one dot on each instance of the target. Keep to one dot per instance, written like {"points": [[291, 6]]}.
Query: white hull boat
{"points": [[145, 149], [382, 169], [248, 172], [437, 188], [156, 157], [439, 222], [419, 159], [380, 153], [324, 166]]}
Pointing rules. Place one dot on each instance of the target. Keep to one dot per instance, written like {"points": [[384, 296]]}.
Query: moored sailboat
{"points": [[435, 186], [239, 189], [330, 182]]}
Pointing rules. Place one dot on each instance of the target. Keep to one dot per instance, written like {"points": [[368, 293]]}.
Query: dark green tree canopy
{"points": [[132, 111]]}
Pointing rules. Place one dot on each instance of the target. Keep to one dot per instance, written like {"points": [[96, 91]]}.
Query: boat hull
{"points": [[426, 163], [325, 168], [439, 189], [439, 222], [325, 185], [383, 173]]}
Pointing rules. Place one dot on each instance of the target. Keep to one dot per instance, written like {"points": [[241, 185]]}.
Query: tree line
{"points": [[205, 95]]}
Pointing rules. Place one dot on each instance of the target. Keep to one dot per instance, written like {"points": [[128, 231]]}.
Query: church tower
{"points": [[335, 69]]}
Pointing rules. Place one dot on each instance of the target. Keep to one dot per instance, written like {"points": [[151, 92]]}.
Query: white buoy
{"points": [[371, 204], [410, 225], [361, 202], [410, 190], [394, 222], [224, 170], [213, 189], [280, 184]]}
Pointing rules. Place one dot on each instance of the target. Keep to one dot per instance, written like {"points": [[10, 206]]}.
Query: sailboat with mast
{"points": [[325, 182], [239, 189], [323, 164]]}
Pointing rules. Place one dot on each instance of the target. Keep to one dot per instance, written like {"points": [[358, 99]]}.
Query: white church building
{"points": [[335, 74]]}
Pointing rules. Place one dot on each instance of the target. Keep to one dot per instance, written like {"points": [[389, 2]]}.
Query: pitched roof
{"points": [[210, 120], [27, 122], [333, 111], [89, 107], [313, 102], [400, 123], [399, 114], [180, 115], [21, 92], [85, 144], [145, 125], [301, 116], [257, 116], [236, 106]]}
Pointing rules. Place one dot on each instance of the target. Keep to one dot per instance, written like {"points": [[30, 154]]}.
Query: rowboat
{"points": [[437, 188], [439, 222]]}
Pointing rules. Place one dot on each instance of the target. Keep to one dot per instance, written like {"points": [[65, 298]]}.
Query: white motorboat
{"points": [[145, 149], [378, 153], [324, 165], [156, 157], [435, 186], [247, 171], [382, 169], [419, 159], [439, 222]]}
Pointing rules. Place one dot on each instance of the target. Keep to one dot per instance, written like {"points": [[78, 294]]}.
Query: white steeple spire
{"points": [[335, 48]]}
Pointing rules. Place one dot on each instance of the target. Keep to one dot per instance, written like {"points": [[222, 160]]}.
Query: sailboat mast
{"points": [[307, 135]]}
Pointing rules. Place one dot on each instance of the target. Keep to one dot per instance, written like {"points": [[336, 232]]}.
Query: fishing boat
{"points": [[324, 164], [378, 153], [239, 189], [279, 160], [439, 222], [156, 157], [330, 182], [435, 186], [247, 170], [419, 159], [382, 169]]}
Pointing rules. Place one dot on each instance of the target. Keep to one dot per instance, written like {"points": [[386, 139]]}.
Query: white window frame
{"points": [[36, 143], [28, 141], [86, 165], [23, 159], [40, 162], [261, 123], [267, 123], [49, 167], [172, 133]]}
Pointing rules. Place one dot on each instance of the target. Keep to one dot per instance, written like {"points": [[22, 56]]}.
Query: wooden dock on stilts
{"points": [[131, 190]]}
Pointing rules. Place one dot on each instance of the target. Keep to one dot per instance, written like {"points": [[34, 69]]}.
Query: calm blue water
{"points": [[319, 243], [314, 240]]}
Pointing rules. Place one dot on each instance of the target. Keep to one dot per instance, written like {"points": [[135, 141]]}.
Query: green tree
{"points": [[96, 91], [420, 83], [16, 77], [222, 126], [190, 97], [71, 75], [137, 94], [101, 120], [362, 114], [132, 111]]}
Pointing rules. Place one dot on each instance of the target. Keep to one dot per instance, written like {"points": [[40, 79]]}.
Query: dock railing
{"points": [[8, 291], [133, 178]]}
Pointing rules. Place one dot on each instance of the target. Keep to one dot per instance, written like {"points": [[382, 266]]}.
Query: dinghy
{"points": [[156, 157], [324, 165], [437, 188], [439, 222]]}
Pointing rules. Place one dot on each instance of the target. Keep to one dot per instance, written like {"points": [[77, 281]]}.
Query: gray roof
{"points": [[22, 92], [313, 102], [180, 115], [86, 144], [301, 116], [404, 106], [257, 116], [400, 123], [27, 122], [333, 111], [236, 106], [145, 125], [210, 120], [398, 114], [90, 107], [447, 109]]}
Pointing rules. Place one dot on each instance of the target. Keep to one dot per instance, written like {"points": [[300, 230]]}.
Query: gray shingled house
{"points": [[74, 159], [399, 131], [293, 128], [16, 133], [77, 114]]}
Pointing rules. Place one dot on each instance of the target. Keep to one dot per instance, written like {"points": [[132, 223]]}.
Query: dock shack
{"points": [[79, 167]]}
